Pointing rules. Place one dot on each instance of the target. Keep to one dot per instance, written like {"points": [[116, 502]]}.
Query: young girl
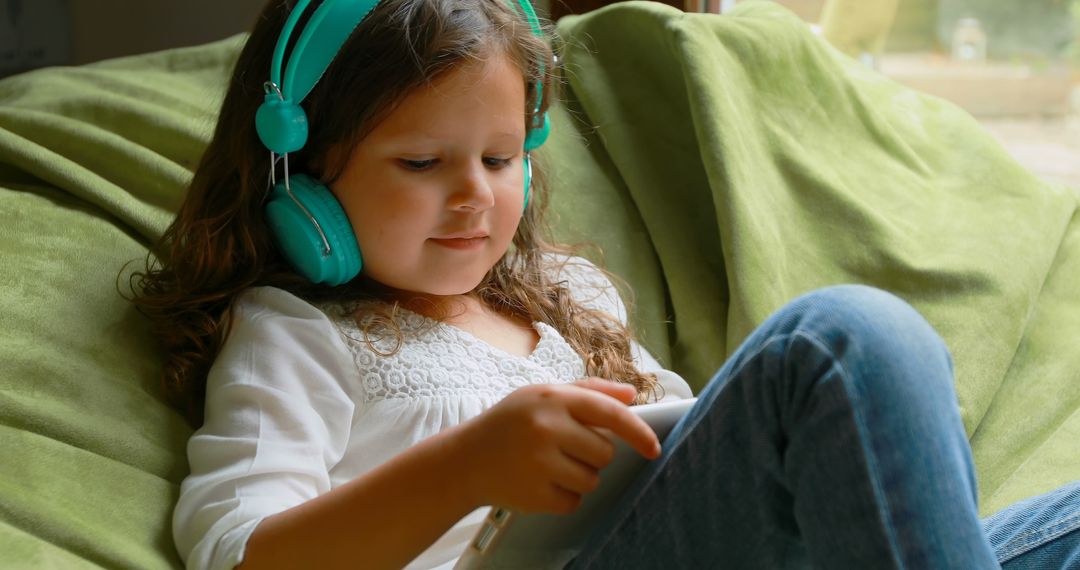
{"points": [[363, 337]]}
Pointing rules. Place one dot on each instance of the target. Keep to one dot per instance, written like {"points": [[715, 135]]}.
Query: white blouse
{"points": [[297, 403]]}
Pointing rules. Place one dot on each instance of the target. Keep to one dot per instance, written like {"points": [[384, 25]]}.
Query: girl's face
{"points": [[435, 191]]}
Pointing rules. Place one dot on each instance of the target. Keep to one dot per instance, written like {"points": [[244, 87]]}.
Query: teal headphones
{"points": [[309, 224]]}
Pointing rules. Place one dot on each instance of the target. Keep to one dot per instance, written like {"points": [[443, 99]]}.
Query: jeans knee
{"points": [[868, 311], [874, 327]]}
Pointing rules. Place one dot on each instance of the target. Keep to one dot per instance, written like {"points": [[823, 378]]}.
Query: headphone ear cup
{"points": [[533, 139], [538, 134], [298, 237], [526, 163]]}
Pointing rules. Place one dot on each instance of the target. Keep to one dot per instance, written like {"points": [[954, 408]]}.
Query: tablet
{"points": [[539, 540]]}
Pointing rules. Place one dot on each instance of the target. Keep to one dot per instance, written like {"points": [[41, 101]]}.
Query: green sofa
{"points": [[724, 164]]}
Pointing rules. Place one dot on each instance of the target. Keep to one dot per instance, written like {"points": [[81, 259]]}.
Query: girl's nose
{"points": [[474, 191]]}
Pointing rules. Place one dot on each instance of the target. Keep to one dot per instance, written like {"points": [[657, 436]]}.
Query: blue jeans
{"points": [[831, 439]]}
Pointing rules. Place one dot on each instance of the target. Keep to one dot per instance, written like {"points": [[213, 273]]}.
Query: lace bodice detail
{"points": [[436, 359]]}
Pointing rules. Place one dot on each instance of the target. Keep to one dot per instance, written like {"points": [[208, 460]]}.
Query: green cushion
{"points": [[723, 164], [93, 161], [763, 164]]}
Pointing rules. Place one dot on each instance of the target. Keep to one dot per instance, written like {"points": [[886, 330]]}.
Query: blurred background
{"points": [[1013, 64]]}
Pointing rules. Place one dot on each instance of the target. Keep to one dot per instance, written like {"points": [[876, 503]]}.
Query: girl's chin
{"points": [[455, 291], [444, 288]]}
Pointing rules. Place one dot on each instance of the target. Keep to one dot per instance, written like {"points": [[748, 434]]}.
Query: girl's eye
{"points": [[417, 164], [496, 162]]}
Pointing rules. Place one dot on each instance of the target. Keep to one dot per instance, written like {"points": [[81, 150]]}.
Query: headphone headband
{"points": [[280, 123], [333, 21]]}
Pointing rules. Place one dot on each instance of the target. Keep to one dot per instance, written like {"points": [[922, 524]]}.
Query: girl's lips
{"points": [[461, 243]]}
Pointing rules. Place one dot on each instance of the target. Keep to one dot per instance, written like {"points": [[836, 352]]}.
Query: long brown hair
{"points": [[220, 244]]}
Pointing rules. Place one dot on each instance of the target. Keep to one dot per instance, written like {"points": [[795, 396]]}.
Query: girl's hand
{"points": [[539, 448]]}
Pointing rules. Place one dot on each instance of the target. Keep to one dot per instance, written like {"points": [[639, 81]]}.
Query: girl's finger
{"points": [[562, 501], [575, 476], [595, 410], [589, 447]]}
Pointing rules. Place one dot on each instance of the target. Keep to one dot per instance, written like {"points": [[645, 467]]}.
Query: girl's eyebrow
{"points": [[510, 134]]}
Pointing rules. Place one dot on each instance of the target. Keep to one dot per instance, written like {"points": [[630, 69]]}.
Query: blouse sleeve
{"points": [[590, 287], [277, 419]]}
